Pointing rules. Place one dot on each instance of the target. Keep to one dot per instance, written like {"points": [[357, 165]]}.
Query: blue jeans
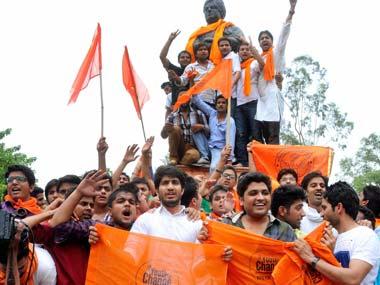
{"points": [[245, 127], [215, 157], [201, 143]]}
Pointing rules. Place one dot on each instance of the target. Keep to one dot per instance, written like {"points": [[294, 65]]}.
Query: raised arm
{"points": [[165, 49], [224, 156], [102, 148], [293, 4], [206, 109], [87, 187], [251, 162], [146, 163], [129, 156]]}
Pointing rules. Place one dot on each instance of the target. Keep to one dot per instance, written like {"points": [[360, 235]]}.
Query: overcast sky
{"points": [[44, 42]]}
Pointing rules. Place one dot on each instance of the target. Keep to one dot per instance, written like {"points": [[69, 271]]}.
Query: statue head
{"points": [[214, 10]]}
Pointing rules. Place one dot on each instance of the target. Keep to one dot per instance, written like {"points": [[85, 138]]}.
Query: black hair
{"points": [[265, 32], [171, 171], [70, 178], [140, 180], [199, 45], [225, 39], [342, 192], [368, 215], [372, 194], [36, 190], [230, 167], [181, 52], [165, 83], [106, 176], [52, 183], [25, 170], [286, 196], [285, 171], [252, 177], [308, 177], [126, 188], [190, 191], [215, 189]]}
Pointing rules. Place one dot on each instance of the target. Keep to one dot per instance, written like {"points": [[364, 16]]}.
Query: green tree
{"points": [[9, 156], [364, 166], [313, 120]]}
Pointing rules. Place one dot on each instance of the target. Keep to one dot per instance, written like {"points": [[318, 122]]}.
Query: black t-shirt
{"points": [[177, 89]]}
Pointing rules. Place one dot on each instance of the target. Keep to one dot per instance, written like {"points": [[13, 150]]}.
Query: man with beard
{"points": [[357, 247], [314, 184], [255, 197]]}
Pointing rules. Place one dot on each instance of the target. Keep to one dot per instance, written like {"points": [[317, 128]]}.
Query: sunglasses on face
{"points": [[10, 179]]}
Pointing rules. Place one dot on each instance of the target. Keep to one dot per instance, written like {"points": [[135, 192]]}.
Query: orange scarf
{"points": [[377, 222], [30, 205], [247, 75], [269, 64], [218, 27], [33, 269]]}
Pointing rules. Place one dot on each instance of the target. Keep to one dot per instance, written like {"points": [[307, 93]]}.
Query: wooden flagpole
{"points": [[101, 106]]}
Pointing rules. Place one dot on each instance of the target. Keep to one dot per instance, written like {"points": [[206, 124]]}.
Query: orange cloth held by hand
{"points": [[30, 205], [246, 65], [292, 270], [269, 65]]}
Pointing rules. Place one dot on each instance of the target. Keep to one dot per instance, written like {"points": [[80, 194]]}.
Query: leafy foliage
{"points": [[364, 167], [9, 156], [314, 120]]}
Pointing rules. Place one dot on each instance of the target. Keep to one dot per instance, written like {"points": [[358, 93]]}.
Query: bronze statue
{"points": [[215, 11]]}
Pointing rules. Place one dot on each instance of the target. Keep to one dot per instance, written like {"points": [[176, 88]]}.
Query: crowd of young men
{"points": [[256, 102], [169, 205]]}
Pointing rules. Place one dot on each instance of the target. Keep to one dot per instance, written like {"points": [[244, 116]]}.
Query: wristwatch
{"points": [[313, 264]]}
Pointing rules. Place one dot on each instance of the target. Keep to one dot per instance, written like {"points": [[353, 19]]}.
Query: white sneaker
{"points": [[203, 160]]}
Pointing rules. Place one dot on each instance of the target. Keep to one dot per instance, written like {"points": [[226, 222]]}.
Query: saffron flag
{"points": [[270, 159], [292, 270], [254, 256], [219, 78], [134, 84], [91, 66], [122, 257]]}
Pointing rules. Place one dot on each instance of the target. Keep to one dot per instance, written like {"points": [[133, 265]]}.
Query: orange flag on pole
{"points": [[270, 159], [122, 257], [134, 84], [219, 78], [91, 66]]}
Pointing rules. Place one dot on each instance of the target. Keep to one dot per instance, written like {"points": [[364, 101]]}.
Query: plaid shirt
{"points": [[195, 117], [275, 229], [73, 230]]}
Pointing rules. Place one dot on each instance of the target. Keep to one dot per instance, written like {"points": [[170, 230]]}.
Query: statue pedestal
{"points": [[193, 170]]}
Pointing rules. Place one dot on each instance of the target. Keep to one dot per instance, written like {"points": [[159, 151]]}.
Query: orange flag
{"points": [[292, 270], [270, 159], [134, 84], [91, 66], [121, 257], [254, 256], [219, 78]]}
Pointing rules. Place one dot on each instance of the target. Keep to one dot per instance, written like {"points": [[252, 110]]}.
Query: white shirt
{"points": [[359, 243], [46, 273], [161, 223], [235, 67], [311, 220], [254, 95], [206, 95], [168, 103], [271, 104]]}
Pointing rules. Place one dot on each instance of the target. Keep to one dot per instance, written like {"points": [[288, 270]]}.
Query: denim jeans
{"points": [[201, 143], [245, 127]]}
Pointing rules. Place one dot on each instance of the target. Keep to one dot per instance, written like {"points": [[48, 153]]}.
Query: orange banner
{"points": [[270, 159], [219, 78], [254, 256], [121, 257]]}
